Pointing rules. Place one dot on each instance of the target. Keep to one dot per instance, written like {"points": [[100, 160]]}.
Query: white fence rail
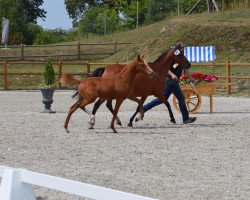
{"points": [[17, 184]]}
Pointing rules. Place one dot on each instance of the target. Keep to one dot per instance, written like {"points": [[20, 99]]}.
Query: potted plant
{"points": [[48, 87]]}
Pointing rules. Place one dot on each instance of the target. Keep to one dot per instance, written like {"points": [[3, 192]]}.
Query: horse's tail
{"points": [[97, 72], [68, 79]]}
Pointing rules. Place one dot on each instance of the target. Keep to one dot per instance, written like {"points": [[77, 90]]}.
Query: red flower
{"points": [[210, 78], [199, 78], [183, 76]]}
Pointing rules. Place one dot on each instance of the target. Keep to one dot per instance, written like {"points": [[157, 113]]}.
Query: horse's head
{"points": [[143, 67], [178, 55]]}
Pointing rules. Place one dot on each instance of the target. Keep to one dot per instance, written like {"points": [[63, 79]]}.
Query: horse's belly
{"points": [[112, 94], [142, 90]]}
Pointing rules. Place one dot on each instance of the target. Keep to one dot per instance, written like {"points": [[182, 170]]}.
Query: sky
{"points": [[56, 16]]}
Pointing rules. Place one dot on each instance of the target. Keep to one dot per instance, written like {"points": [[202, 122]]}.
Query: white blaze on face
{"points": [[148, 66]]}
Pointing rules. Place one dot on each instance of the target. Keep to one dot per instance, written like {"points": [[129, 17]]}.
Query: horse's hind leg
{"points": [[91, 121], [172, 119], [165, 101], [140, 107], [110, 107], [80, 103], [92, 115], [71, 111], [133, 116], [97, 105]]}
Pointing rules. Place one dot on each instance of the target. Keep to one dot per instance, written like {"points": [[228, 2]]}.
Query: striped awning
{"points": [[200, 54]]}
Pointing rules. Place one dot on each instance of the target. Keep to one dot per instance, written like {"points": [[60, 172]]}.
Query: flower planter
{"points": [[47, 100], [193, 96]]}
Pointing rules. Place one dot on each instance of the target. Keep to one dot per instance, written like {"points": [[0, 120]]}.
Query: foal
{"points": [[118, 87]]}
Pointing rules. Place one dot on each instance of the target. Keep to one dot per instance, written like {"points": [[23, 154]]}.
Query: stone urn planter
{"points": [[47, 99]]}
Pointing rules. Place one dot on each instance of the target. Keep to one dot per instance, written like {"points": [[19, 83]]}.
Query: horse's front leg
{"points": [[164, 100], [97, 105], [117, 106], [139, 108], [110, 107]]}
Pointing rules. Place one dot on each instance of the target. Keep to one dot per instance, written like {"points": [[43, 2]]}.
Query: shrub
{"points": [[49, 74]]}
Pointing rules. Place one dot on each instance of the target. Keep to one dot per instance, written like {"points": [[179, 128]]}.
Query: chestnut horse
{"points": [[145, 85], [118, 87]]}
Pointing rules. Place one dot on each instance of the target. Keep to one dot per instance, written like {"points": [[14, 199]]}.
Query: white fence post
{"points": [[12, 188], [17, 184]]}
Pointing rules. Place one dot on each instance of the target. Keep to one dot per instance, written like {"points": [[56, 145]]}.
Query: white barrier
{"points": [[17, 185]]}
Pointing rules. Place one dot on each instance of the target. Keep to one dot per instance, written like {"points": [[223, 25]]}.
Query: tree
{"points": [[32, 10], [17, 18], [76, 7], [93, 21], [159, 9], [21, 13], [129, 12]]}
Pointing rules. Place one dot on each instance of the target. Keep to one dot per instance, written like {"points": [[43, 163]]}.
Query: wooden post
{"points": [[211, 103], [213, 69], [5, 75], [22, 52], [59, 73], [115, 47], [78, 50], [228, 86], [88, 68]]}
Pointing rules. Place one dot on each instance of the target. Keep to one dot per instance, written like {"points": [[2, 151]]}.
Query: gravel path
{"points": [[205, 160]]}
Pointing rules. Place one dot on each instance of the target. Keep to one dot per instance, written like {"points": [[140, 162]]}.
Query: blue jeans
{"points": [[172, 86]]}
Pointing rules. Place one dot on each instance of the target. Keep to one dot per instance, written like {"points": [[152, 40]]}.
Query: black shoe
{"points": [[189, 120]]}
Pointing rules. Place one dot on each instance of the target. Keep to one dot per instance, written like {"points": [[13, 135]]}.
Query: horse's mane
{"points": [[163, 54]]}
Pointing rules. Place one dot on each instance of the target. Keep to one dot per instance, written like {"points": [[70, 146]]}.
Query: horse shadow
{"points": [[152, 129], [225, 112]]}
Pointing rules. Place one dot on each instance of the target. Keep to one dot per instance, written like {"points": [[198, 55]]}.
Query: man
{"points": [[172, 86]]}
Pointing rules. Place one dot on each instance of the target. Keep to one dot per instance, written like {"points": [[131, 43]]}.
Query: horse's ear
{"points": [[138, 57], [142, 57], [179, 45]]}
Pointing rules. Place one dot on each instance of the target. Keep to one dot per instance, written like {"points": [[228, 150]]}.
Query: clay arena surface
{"points": [[205, 160]]}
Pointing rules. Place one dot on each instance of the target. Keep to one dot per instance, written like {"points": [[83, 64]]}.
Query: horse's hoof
{"points": [[119, 123], [137, 119], [130, 124], [114, 130], [67, 131], [173, 121], [91, 127]]}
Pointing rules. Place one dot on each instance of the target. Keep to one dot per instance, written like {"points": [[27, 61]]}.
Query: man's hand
{"points": [[174, 77]]}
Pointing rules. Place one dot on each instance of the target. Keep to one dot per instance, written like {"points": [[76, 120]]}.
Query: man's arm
{"points": [[189, 75], [173, 76]]}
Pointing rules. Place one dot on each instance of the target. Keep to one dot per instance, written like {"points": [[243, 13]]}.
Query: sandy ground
{"points": [[205, 160]]}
